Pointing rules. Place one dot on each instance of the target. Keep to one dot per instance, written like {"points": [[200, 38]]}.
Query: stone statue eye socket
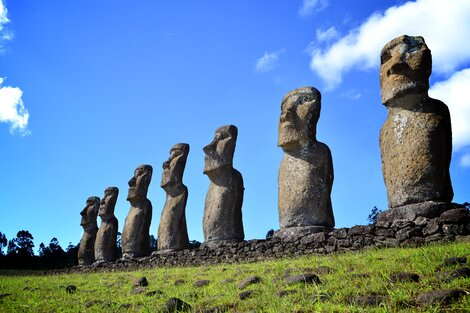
{"points": [[385, 57]]}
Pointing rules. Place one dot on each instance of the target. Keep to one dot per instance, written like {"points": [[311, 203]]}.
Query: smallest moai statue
{"points": [[86, 251], [105, 245], [172, 230]]}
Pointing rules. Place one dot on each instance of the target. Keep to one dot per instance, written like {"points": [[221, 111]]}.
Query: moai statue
{"points": [[105, 245], [222, 220], [306, 173], [86, 251], [416, 139], [172, 231], [135, 238]]}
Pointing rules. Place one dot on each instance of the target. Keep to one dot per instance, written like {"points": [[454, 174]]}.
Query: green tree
{"points": [[3, 242], [22, 245], [372, 218]]}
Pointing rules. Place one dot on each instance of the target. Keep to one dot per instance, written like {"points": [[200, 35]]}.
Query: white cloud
{"points": [[5, 35], [327, 35], [444, 25], [465, 160], [312, 6], [12, 109], [351, 94], [268, 61], [455, 92]]}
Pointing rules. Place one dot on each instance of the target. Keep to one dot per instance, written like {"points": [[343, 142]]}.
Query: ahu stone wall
{"points": [[449, 226]]}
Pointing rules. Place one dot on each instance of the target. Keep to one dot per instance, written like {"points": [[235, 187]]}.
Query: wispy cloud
{"points": [[268, 61], [12, 110], [465, 160], [5, 35], [312, 6], [444, 28], [327, 35], [455, 92]]}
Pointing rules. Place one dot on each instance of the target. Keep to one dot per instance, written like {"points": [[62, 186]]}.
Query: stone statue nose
{"points": [[207, 149], [398, 68], [132, 182], [166, 165]]}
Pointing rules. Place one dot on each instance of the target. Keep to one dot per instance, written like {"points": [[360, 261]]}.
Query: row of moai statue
{"points": [[415, 145]]}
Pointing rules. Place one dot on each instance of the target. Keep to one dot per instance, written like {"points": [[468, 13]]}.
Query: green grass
{"points": [[108, 291]]}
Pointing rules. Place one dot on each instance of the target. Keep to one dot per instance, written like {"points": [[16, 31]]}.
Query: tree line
{"points": [[18, 253]]}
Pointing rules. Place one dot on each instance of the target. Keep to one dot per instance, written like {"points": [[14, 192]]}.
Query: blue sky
{"points": [[91, 89]]}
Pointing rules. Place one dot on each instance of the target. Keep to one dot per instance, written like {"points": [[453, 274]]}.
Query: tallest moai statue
{"points": [[416, 139]]}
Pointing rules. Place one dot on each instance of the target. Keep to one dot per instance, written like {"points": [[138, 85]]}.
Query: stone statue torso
{"points": [[416, 147], [105, 244], [135, 235], [86, 251], [222, 211], [305, 182], [172, 231]]}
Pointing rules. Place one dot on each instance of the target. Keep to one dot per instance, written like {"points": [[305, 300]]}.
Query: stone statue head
{"points": [[173, 168], [108, 202], [405, 67], [300, 111], [90, 213], [219, 153], [139, 183]]}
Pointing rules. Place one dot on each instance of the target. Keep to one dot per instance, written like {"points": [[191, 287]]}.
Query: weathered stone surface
{"points": [[249, 281], [454, 274], [177, 305], [404, 277], [410, 212], [105, 244], [172, 230], [141, 282], [306, 171], [201, 283], [71, 289], [222, 219], [416, 139], [369, 300], [455, 260], [455, 216], [443, 296], [308, 278], [135, 237], [86, 251]]}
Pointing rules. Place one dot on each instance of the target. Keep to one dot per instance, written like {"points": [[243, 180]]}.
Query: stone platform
{"points": [[448, 226]]}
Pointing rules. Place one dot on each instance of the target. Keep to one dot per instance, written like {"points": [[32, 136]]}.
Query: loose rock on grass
{"points": [[249, 281], [71, 289], [369, 300], [455, 261], [179, 282], [443, 296], [141, 282], [307, 278], [201, 283], [454, 274], [177, 305], [404, 277]]}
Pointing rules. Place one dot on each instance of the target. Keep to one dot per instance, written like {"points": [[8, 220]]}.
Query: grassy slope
{"points": [[33, 292]]}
